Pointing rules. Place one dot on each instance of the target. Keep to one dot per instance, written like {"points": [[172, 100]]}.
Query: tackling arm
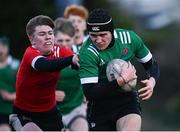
{"points": [[45, 64]]}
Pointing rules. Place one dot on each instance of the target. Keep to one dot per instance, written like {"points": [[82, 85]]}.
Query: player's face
{"points": [[101, 39], [43, 39], [64, 40], [79, 23]]}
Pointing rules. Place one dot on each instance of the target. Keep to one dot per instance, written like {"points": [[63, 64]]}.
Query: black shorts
{"points": [[103, 114], [47, 121], [4, 118]]}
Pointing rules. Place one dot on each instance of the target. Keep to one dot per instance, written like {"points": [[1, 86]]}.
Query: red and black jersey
{"points": [[35, 90]]}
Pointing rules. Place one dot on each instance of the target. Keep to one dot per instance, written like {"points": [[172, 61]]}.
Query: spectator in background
{"points": [[73, 107], [78, 15], [8, 72], [37, 79]]}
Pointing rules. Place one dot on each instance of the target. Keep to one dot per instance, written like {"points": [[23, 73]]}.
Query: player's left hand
{"points": [[146, 92]]}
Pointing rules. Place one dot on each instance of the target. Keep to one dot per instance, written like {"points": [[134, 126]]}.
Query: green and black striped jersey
{"points": [[93, 62]]}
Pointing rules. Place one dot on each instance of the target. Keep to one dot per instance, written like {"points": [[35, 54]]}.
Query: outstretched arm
{"points": [[45, 64]]}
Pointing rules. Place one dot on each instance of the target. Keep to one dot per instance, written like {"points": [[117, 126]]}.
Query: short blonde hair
{"points": [[76, 10]]}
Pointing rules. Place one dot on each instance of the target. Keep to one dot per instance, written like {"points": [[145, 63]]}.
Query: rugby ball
{"points": [[113, 71]]}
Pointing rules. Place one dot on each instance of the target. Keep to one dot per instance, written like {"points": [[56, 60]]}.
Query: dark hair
{"points": [[65, 26], [38, 21], [4, 40]]}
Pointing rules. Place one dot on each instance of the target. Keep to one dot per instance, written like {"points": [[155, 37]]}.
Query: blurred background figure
{"points": [[78, 15], [152, 14], [64, 32], [8, 70], [69, 94]]}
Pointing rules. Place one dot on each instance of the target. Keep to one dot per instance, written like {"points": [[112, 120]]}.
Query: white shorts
{"points": [[79, 111]]}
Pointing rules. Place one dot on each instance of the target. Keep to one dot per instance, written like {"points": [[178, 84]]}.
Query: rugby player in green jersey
{"points": [[110, 108]]}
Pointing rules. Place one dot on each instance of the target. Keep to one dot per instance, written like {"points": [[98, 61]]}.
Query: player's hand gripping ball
{"points": [[113, 71]]}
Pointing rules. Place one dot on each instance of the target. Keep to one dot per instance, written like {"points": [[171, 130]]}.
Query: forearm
{"points": [[45, 64], [152, 69], [95, 91]]}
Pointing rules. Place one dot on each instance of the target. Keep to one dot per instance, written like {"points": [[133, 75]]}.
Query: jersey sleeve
{"points": [[88, 67], [142, 53], [31, 55]]}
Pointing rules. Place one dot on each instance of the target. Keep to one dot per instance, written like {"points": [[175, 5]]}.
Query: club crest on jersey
{"points": [[125, 51], [93, 124], [96, 28]]}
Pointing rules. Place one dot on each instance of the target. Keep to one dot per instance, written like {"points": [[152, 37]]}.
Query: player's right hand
{"points": [[128, 72]]}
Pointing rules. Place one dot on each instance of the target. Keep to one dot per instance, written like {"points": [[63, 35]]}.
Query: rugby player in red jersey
{"points": [[37, 78]]}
